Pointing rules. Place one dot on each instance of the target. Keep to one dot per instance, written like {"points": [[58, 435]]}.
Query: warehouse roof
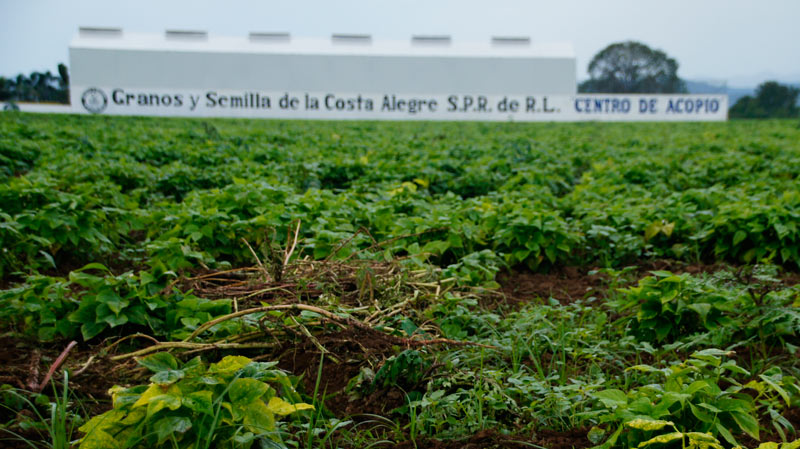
{"points": [[338, 44]]}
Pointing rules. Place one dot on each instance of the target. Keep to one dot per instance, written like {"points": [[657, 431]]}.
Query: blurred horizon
{"points": [[736, 44]]}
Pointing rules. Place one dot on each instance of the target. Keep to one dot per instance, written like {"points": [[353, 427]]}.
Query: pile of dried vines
{"points": [[286, 285]]}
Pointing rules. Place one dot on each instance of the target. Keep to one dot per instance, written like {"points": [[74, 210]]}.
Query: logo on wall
{"points": [[94, 100]]}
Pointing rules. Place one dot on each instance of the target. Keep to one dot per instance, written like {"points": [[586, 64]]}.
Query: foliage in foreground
{"points": [[234, 403]]}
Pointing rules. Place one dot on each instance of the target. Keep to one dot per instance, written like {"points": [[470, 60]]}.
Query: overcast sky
{"points": [[742, 42]]}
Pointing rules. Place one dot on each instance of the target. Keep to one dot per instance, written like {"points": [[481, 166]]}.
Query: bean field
{"points": [[182, 283]]}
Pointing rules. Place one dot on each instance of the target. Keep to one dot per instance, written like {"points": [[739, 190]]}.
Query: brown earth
{"points": [[567, 284], [488, 439], [25, 363], [352, 350]]}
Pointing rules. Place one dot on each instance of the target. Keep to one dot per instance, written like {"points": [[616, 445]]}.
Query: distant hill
{"points": [[734, 93]]}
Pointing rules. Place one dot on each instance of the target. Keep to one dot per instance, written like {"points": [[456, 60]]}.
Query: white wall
{"points": [[153, 61]]}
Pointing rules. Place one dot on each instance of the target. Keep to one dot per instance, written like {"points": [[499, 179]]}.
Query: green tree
{"points": [[5, 89], [632, 67], [63, 83], [772, 100], [38, 87]]}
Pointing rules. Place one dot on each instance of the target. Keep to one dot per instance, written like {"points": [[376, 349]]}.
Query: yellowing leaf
{"points": [[410, 186], [280, 407], [114, 392], [246, 390], [100, 422], [162, 401], [596, 435], [755, 385], [666, 438], [667, 228], [701, 440], [227, 417], [229, 364], [768, 445], [134, 417], [258, 418], [199, 401], [652, 230], [152, 391], [155, 390], [645, 368], [793, 445], [99, 439], [701, 436], [648, 424]]}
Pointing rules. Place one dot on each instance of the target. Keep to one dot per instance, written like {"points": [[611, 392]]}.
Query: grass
{"points": [[56, 426]]}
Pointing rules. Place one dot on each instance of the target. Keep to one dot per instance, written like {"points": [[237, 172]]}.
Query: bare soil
{"points": [[566, 284], [24, 363], [488, 439], [353, 349]]}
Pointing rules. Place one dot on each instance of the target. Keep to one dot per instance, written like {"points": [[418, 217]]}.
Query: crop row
{"points": [[179, 193]]}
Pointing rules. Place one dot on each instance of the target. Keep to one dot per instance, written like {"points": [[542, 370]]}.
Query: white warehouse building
{"points": [[348, 76], [128, 67]]}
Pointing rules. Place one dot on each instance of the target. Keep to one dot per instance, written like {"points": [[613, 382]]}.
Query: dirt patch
{"points": [[565, 284], [381, 402], [10, 281], [790, 279], [14, 370], [10, 442], [644, 267], [571, 439], [489, 439], [24, 363], [99, 377], [353, 349], [568, 284]]}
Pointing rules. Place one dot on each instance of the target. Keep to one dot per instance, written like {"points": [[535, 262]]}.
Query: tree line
{"points": [[38, 87], [633, 67], [772, 99]]}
